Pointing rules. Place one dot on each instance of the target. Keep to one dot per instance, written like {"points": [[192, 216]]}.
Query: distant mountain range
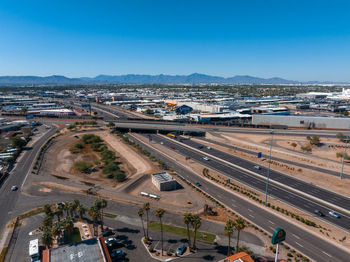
{"points": [[145, 79]]}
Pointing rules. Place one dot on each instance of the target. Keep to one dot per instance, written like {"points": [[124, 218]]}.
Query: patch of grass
{"points": [[3, 254], [110, 215], [32, 212], [181, 231], [75, 237]]}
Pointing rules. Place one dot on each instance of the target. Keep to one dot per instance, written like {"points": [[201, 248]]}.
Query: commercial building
{"points": [[164, 181], [90, 250], [325, 122]]}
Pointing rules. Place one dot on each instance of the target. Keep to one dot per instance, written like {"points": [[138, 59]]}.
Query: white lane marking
{"points": [[234, 205], [251, 216], [271, 222], [250, 210], [299, 244], [273, 229], [296, 236], [326, 254]]}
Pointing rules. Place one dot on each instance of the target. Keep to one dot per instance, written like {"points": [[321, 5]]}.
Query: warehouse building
{"points": [[164, 181], [303, 121]]}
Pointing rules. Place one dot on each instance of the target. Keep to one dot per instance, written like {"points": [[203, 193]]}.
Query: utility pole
{"points": [[268, 170], [342, 164]]}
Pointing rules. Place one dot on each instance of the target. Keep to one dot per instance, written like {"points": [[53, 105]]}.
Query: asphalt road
{"points": [[260, 184], [300, 239], [326, 171], [8, 198]]}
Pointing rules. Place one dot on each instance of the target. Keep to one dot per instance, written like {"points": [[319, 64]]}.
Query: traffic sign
{"points": [[278, 236]]}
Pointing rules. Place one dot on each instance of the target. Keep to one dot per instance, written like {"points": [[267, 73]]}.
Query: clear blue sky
{"points": [[294, 39]]}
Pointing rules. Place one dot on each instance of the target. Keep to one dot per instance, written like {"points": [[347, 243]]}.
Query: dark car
{"points": [[318, 212], [107, 233], [181, 250], [118, 254], [200, 147], [198, 184], [113, 243]]}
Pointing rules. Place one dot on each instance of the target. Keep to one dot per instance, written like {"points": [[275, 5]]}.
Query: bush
{"points": [[110, 168], [82, 166], [107, 156], [76, 148], [91, 138]]}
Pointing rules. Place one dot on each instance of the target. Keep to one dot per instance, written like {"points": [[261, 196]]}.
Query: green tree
{"points": [[46, 238], [294, 145], [140, 212], [160, 213], [81, 211], [101, 204], [47, 210], [18, 142], [68, 226], [57, 229], [230, 225], [75, 204], [187, 219], [83, 166], [94, 213], [47, 222], [59, 212], [146, 207], [107, 156], [239, 225], [111, 124], [196, 224]]}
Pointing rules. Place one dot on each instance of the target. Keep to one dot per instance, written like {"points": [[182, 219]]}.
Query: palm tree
{"points": [[196, 223], [159, 213], [141, 213], [187, 218], [239, 225], [47, 222], [94, 214], [69, 208], [68, 226], [47, 209], [59, 213], [146, 207], [46, 238], [228, 232], [57, 229], [101, 204], [76, 203], [81, 211]]}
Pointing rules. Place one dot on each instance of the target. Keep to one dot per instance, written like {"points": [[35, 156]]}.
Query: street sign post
{"points": [[278, 236]]}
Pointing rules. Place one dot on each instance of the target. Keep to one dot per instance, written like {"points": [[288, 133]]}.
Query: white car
{"points": [[14, 188], [208, 147], [334, 214], [206, 158]]}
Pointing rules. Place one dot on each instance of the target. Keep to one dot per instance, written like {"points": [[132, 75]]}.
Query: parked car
{"points": [[118, 254], [181, 250], [172, 147], [318, 212], [257, 167], [206, 158], [200, 147], [113, 243], [14, 188], [198, 184], [334, 214], [107, 233], [208, 147]]}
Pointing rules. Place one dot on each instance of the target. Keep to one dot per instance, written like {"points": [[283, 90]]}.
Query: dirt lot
{"points": [[282, 149]]}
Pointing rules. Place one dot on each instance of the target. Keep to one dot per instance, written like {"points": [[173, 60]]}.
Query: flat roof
{"points": [[163, 177], [84, 251]]}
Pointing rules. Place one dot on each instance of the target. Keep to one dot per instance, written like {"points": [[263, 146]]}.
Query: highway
{"points": [[8, 198], [314, 247], [323, 170], [274, 191]]}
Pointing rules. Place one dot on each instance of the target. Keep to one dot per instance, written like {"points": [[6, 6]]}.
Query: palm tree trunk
{"points": [[194, 238], [188, 235], [161, 233], [237, 240], [143, 227], [147, 236], [101, 220], [229, 246]]}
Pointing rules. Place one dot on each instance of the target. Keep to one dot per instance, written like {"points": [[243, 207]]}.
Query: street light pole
{"points": [[342, 164], [268, 171]]}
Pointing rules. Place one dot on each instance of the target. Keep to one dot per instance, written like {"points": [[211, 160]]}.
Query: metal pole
{"points": [[342, 164], [276, 257], [268, 171]]}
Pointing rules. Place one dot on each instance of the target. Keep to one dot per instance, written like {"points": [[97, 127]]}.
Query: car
{"points": [[206, 158], [181, 250], [318, 212], [107, 233], [257, 167], [334, 214], [200, 147], [76, 136], [118, 254], [161, 143], [172, 147], [198, 184], [14, 188], [113, 243], [208, 147]]}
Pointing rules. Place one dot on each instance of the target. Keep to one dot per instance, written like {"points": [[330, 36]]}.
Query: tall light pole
{"points": [[268, 170], [342, 164]]}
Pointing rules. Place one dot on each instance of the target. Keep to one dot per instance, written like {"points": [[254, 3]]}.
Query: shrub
{"points": [[76, 147], [91, 138], [82, 166], [110, 167]]}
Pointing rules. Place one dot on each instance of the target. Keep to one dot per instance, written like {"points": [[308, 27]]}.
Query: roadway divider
{"points": [[323, 202]]}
